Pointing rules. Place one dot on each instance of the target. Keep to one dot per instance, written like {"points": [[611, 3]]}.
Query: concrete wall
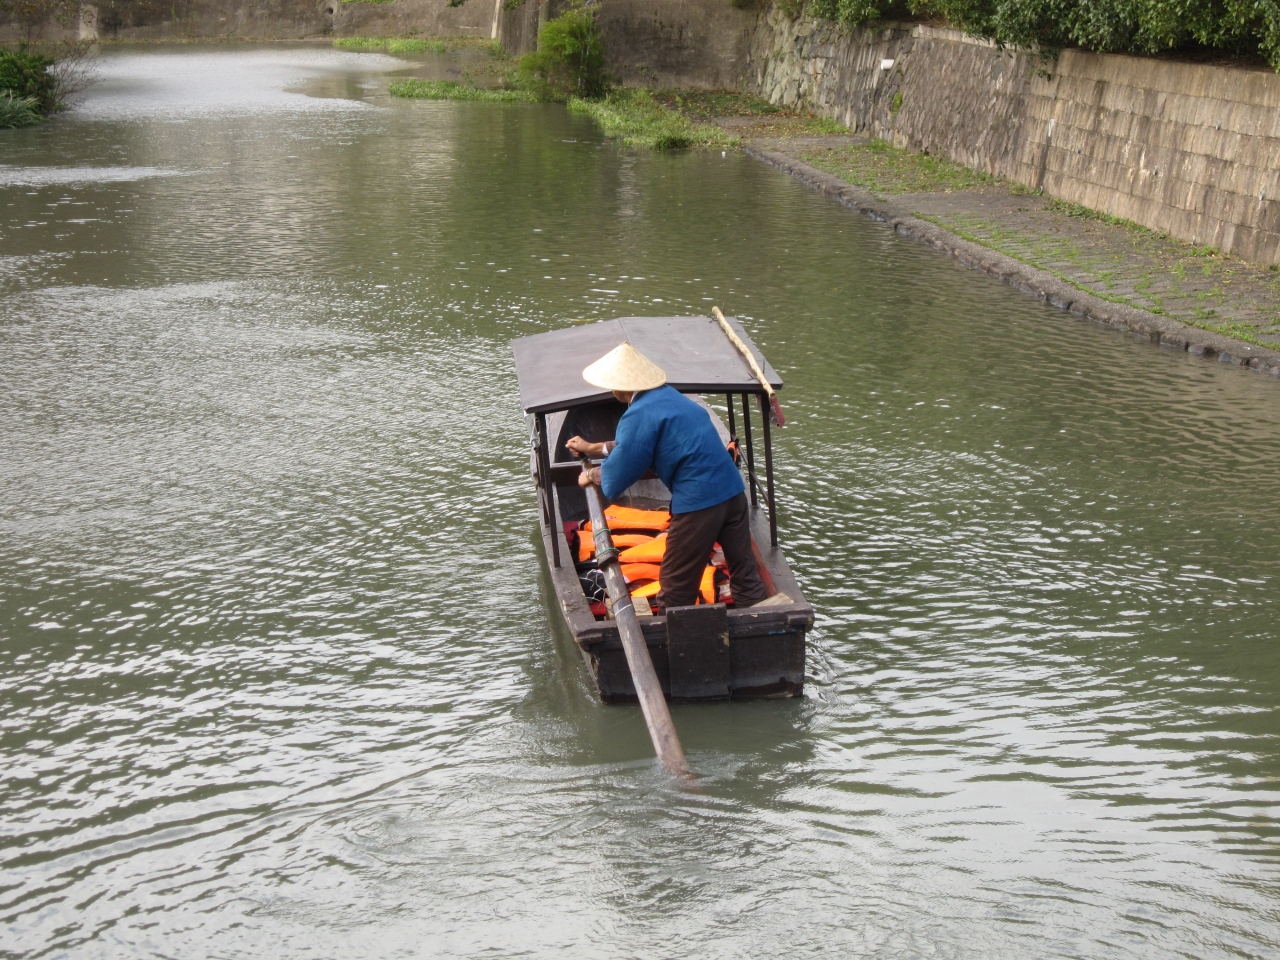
{"points": [[518, 26], [1189, 149], [700, 44], [419, 18], [657, 43], [280, 20]]}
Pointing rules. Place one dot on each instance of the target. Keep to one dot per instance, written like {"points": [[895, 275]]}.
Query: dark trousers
{"points": [[689, 541]]}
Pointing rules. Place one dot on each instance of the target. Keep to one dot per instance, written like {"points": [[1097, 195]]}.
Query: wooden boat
{"points": [[699, 653]]}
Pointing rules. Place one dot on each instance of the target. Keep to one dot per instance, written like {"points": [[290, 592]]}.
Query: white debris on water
{"points": [[15, 176]]}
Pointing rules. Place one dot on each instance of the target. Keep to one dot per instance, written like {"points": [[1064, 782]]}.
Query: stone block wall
{"points": [[1189, 149]]}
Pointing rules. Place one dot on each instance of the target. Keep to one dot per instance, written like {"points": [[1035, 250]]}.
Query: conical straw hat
{"points": [[624, 368]]}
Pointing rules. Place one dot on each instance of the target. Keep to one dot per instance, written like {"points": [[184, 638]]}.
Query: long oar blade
{"points": [[662, 730]]}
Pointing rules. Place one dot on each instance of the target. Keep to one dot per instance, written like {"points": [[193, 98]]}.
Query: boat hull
{"points": [[752, 654]]}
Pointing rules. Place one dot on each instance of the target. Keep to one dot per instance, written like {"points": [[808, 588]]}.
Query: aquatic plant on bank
{"points": [[18, 111], [453, 90], [639, 120], [395, 45]]}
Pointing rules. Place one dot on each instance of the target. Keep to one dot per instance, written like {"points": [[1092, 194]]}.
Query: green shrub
{"points": [[569, 61], [26, 75], [1233, 27], [17, 111]]}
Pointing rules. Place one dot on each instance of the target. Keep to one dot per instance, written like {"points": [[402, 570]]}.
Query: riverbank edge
{"points": [[1041, 284]]}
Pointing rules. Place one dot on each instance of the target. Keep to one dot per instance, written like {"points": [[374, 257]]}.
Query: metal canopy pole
{"points": [[546, 487], [733, 430], [768, 472], [751, 454]]}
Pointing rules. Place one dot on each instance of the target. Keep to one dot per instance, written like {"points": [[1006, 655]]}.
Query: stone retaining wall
{"points": [[193, 20], [1191, 150]]}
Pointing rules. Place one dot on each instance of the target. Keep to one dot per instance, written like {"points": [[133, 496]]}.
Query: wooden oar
{"points": [[774, 405], [652, 703]]}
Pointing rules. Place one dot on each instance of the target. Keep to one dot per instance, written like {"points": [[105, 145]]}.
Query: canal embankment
{"points": [[1109, 271], [1104, 268], [1189, 149]]}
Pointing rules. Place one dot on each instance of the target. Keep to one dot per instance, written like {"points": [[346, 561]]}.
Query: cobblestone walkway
{"points": [[1112, 259]]}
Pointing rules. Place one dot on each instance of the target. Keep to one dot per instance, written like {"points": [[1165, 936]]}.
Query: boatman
{"points": [[664, 431]]}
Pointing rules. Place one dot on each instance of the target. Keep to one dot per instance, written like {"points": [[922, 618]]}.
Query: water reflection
{"points": [[281, 662]]}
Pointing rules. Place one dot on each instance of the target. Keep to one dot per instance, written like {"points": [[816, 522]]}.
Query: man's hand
{"points": [[579, 448], [588, 477]]}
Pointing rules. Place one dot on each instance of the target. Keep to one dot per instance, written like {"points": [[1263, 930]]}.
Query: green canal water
{"points": [[282, 675]]}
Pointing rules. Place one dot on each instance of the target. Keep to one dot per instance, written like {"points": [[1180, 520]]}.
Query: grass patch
{"points": [[753, 116], [1085, 213], [453, 90], [888, 171], [637, 119], [418, 44], [711, 104]]}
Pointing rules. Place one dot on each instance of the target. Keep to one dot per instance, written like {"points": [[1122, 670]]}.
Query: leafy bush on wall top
{"points": [[1231, 27]]}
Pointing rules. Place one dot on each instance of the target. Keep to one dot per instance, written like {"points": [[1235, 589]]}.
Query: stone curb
{"points": [[1040, 284]]}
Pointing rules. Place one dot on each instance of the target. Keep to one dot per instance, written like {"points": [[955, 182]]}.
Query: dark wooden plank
{"points": [[698, 652]]}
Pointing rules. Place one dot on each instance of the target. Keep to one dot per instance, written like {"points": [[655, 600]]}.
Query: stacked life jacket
{"points": [[641, 539]]}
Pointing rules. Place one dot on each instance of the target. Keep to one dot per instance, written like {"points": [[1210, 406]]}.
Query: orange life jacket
{"points": [[633, 518], [650, 551], [706, 589], [629, 518], [647, 590], [587, 543], [637, 572]]}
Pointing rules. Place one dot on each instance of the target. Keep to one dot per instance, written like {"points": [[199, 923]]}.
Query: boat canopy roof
{"points": [[694, 352]]}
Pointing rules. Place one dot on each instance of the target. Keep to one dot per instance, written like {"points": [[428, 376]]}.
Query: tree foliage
{"points": [[1231, 27]]}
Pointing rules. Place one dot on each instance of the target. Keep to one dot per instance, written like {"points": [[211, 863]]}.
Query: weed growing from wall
{"points": [[569, 61]]}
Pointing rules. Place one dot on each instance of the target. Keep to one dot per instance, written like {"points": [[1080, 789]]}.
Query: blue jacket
{"points": [[666, 432]]}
